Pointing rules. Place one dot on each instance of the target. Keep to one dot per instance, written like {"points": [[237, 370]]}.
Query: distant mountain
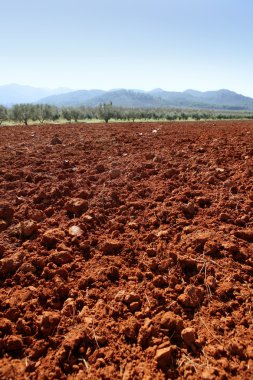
{"points": [[75, 98], [14, 93], [156, 91], [221, 99], [127, 98], [225, 98], [193, 92]]}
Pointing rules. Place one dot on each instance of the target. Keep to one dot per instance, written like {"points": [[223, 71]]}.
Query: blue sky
{"points": [[172, 44]]}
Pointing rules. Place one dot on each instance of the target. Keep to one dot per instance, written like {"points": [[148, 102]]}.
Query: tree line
{"points": [[31, 113]]}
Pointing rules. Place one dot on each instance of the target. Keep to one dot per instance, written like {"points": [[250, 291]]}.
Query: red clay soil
{"points": [[126, 251]]}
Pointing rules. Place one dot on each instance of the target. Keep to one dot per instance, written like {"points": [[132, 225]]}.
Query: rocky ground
{"points": [[126, 251]]}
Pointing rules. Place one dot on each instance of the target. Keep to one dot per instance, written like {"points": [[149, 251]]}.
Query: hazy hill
{"points": [[75, 98], [127, 98], [14, 93], [221, 99]]}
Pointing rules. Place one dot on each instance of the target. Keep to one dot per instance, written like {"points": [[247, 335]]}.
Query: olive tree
{"points": [[3, 114], [106, 111], [43, 112], [22, 113]]}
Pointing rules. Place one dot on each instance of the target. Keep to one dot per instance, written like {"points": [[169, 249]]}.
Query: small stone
{"points": [[225, 290], [48, 321], [51, 237], [6, 212], [212, 180], [201, 237], [189, 336], [225, 217], [26, 228], [164, 356], [86, 282], [5, 326], [189, 209], [61, 258], [187, 263], [120, 296], [14, 343], [246, 235], [87, 218], [69, 307], [37, 215], [66, 164], [192, 296], [100, 168], [211, 247], [151, 252], [145, 333], [9, 265], [27, 268], [170, 321], [56, 140], [231, 247], [75, 231], [111, 246], [84, 194], [115, 173], [132, 297], [149, 156], [134, 306], [23, 328], [204, 202], [77, 206], [160, 282], [131, 329], [171, 173]]}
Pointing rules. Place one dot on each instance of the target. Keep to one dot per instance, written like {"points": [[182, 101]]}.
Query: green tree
{"points": [[66, 114], [43, 112], [75, 114], [22, 113], [132, 114], [56, 113], [106, 111], [71, 113], [3, 114]]}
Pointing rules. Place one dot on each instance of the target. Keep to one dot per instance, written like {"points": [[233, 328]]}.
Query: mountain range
{"points": [[221, 99]]}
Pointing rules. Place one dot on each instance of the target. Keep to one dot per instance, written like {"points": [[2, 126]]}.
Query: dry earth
{"points": [[126, 251]]}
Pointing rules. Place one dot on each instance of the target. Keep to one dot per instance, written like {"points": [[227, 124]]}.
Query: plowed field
{"points": [[126, 251]]}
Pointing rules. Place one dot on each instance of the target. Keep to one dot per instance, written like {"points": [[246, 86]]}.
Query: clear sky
{"points": [[144, 44]]}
